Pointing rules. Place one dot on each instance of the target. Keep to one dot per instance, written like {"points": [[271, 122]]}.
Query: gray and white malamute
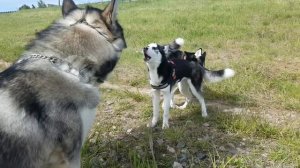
{"points": [[167, 67], [48, 98]]}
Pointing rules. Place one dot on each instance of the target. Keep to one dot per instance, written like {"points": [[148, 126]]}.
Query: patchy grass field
{"points": [[254, 118]]}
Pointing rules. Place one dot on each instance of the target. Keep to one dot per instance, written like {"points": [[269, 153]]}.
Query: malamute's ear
{"points": [[68, 6], [110, 12]]}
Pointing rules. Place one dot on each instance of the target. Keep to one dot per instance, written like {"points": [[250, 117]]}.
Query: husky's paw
{"points": [[165, 125], [152, 123], [204, 114]]}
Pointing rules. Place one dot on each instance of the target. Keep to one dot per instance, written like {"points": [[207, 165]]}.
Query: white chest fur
{"points": [[87, 117], [154, 78]]}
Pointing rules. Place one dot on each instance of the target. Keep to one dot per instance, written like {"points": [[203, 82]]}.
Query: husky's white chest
{"points": [[87, 117], [154, 78]]}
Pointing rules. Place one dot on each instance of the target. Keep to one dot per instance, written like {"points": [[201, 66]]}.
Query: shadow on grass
{"points": [[230, 98], [191, 141]]}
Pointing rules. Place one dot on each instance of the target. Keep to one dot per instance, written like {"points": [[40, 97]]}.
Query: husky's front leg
{"points": [[155, 102], [166, 107]]}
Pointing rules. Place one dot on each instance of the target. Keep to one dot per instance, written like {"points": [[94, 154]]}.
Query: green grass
{"points": [[258, 39], [250, 135]]}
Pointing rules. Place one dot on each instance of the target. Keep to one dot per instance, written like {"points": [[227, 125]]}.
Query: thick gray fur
{"points": [[47, 108]]}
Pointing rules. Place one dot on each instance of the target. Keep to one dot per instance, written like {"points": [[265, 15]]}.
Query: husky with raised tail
{"points": [[165, 73], [48, 98]]}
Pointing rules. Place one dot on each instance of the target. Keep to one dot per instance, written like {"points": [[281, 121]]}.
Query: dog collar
{"points": [[161, 86], [171, 79], [59, 63]]}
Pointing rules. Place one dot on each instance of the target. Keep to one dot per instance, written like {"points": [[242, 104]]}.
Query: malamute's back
{"points": [[49, 96]]}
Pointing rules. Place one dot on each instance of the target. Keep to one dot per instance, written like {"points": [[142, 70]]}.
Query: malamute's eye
{"points": [[154, 48]]}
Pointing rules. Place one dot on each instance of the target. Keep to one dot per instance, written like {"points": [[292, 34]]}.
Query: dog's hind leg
{"points": [[155, 103], [185, 91], [172, 104], [199, 96], [187, 100], [167, 99]]}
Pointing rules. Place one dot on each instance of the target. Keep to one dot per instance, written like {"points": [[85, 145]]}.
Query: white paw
{"points": [[204, 114], [165, 125], [152, 123]]}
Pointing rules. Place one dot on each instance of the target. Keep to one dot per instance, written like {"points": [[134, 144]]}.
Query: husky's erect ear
{"points": [[68, 6], [110, 12], [198, 53], [161, 49], [202, 58]]}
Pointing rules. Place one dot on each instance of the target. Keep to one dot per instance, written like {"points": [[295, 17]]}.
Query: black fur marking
{"points": [[105, 69], [8, 75], [14, 152], [219, 72], [26, 96]]}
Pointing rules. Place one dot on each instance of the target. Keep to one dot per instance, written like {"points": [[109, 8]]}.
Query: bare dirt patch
{"points": [[4, 64]]}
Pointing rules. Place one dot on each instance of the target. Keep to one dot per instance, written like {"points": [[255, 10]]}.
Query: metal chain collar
{"points": [[54, 60]]}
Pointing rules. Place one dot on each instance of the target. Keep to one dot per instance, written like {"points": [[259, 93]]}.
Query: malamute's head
{"points": [[90, 39], [98, 35]]}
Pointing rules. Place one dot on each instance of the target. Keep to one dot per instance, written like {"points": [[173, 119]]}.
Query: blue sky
{"points": [[12, 5]]}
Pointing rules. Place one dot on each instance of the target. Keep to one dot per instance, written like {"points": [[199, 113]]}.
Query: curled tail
{"points": [[217, 76]]}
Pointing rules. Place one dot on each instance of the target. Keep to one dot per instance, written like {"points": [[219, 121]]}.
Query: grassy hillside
{"points": [[259, 39]]}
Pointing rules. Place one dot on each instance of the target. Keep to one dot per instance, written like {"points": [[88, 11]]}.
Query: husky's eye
{"points": [[154, 48]]}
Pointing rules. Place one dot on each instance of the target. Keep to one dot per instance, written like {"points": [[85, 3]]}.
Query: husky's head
{"points": [[154, 54], [157, 53], [90, 39]]}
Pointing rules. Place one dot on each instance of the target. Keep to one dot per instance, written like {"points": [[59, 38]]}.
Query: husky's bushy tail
{"points": [[176, 44], [219, 75]]}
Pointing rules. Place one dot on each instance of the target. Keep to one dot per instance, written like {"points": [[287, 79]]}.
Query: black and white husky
{"points": [[165, 73], [48, 98]]}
